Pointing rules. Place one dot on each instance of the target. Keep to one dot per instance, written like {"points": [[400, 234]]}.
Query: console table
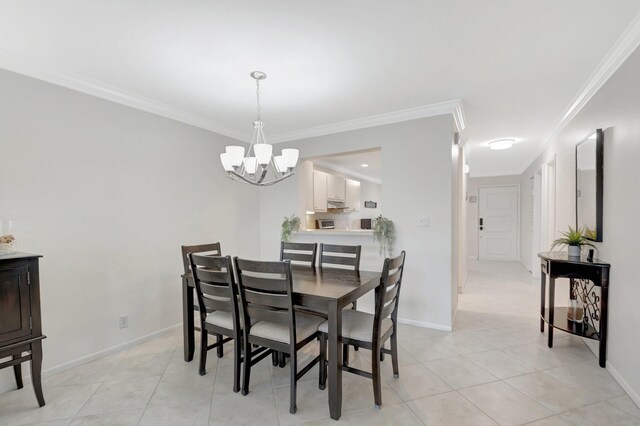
{"points": [[584, 279], [20, 324]]}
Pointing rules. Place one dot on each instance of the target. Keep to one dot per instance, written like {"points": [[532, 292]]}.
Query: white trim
{"points": [[424, 324], [490, 174], [104, 352], [453, 107], [623, 384], [615, 57], [30, 68], [346, 171]]}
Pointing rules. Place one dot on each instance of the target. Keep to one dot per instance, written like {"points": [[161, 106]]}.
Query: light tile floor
{"points": [[495, 368]]}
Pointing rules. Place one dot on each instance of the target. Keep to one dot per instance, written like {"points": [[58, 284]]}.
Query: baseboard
{"points": [[100, 354], [425, 324], [623, 384]]}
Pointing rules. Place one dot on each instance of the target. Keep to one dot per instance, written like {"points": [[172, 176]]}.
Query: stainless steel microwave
{"points": [[325, 224]]}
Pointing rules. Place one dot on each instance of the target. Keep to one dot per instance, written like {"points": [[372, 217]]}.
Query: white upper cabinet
{"points": [[352, 199], [319, 191], [336, 190]]}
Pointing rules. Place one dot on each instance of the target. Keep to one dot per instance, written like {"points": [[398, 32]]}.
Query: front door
{"points": [[498, 223]]}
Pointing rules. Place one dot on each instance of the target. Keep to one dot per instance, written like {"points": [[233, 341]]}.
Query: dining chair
{"points": [[340, 256], [218, 300], [266, 296], [371, 331], [211, 249], [299, 253]]}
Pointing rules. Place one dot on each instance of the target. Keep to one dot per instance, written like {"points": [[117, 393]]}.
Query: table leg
{"points": [[335, 361], [552, 297], [543, 296], [17, 371], [604, 296], [187, 320], [36, 370]]}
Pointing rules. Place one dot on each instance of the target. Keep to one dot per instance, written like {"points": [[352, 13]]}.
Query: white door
{"points": [[498, 223]]}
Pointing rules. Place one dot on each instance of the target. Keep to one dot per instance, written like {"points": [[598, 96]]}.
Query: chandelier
{"points": [[259, 166]]}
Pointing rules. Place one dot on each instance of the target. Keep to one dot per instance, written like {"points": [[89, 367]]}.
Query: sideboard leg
{"points": [[543, 296], [552, 297], [604, 300], [36, 370], [17, 371]]}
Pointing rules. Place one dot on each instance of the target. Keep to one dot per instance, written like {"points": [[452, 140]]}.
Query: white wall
{"points": [[473, 184], [417, 182], [615, 108], [107, 194]]}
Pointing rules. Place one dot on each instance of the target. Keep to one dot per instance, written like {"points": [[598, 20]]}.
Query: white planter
{"points": [[574, 251]]}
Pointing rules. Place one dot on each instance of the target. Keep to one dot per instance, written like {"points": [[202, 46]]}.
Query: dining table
{"points": [[327, 290]]}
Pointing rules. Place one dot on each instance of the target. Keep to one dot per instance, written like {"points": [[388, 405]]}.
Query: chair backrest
{"points": [[340, 256], [388, 292], [213, 249], [265, 293], [215, 285], [299, 253]]}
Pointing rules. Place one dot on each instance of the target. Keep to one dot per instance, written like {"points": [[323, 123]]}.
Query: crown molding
{"points": [[624, 46], [346, 171], [453, 107], [21, 65]]}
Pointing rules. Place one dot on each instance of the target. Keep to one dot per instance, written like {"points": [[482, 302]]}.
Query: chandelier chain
{"points": [[258, 99]]}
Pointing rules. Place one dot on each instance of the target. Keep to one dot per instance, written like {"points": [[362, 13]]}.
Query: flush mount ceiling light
{"points": [[364, 165], [254, 167], [501, 144]]}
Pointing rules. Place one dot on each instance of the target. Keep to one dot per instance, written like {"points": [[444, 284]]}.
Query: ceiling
{"points": [[515, 65], [351, 164]]}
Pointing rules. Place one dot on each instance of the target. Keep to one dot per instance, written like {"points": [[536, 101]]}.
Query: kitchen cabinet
{"points": [[352, 196], [335, 188], [319, 191]]}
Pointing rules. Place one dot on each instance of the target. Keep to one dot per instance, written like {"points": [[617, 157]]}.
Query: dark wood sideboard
{"points": [[20, 322], [589, 282]]}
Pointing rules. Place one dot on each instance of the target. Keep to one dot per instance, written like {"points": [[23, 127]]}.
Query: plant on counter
{"points": [[289, 225], [575, 239], [384, 234]]}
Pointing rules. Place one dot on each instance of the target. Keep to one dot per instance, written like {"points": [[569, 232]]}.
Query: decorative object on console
{"points": [[254, 167], [574, 239], [7, 240], [575, 310], [289, 225], [384, 234]]}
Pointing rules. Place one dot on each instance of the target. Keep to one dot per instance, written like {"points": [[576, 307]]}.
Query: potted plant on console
{"points": [[574, 239]]}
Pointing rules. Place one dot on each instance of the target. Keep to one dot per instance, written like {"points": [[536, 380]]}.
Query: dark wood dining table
{"points": [[327, 289]]}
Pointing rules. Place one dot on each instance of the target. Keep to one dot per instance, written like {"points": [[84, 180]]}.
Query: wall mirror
{"points": [[589, 156]]}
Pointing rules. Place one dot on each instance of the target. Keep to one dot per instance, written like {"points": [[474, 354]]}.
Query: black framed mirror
{"points": [[589, 180]]}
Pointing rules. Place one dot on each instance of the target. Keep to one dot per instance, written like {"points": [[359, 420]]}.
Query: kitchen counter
{"points": [[350, 232]]}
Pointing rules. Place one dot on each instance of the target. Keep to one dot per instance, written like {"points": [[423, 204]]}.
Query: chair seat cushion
{"points": [[222, 319], [358, 325], [306, 325]]}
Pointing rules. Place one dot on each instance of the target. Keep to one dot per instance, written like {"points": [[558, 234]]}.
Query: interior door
{"points": [[498, 223]]}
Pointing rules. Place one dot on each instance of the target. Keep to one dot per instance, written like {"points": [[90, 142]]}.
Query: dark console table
{"points": [[585, 277], [20, 324]]}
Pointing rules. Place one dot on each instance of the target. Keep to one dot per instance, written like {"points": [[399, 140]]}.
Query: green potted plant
{"points": [[384, 234], [574, 239], [289, 225]]}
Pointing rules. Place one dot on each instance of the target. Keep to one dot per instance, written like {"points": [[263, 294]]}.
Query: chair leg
{"points": [[237, 361], [355, 307], [17, 371], [394, 354], [204, 342], [294, 383], [382, 355], [345, 354], [322, 379], [377, 379], [246, 367], [282, 359], [220, 347], [275, 358]]}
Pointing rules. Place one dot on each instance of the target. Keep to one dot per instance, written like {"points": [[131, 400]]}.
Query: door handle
{"points": [[481, 224]]}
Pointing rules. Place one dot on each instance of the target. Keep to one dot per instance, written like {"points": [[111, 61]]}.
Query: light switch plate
{"points": [[424, 222]]}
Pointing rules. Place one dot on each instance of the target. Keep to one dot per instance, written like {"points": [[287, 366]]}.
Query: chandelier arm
{"points": [[262, 175], [236, 176]]}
